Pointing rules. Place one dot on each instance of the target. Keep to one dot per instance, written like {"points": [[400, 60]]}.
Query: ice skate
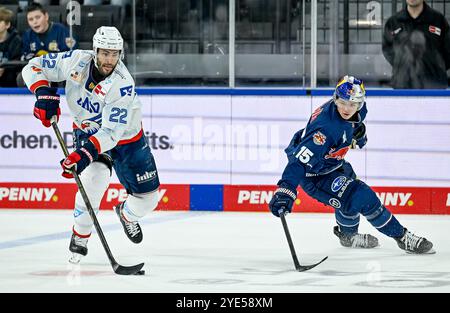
{"points": [[414, 244], [78, 247], [132, 229], [357, 240]]}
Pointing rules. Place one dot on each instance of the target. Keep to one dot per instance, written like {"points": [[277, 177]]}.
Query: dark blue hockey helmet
{"points": [[351, 89]]}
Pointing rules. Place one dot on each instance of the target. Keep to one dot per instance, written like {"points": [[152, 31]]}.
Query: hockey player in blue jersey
{"points": [[316, 163]]}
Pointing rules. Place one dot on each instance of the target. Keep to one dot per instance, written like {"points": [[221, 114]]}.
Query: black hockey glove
{"points": [[359, 137], [47, 105], [283, 200]]}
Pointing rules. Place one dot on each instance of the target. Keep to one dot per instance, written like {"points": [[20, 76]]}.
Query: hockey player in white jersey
{"points": [[107, 126]]}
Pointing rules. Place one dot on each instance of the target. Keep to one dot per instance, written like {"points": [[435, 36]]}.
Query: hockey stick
{"points": [[118, 269], [298, 267]]}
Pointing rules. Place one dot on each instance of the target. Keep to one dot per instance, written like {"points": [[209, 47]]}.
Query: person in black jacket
{"points": [[10, 49], [416, 42]]}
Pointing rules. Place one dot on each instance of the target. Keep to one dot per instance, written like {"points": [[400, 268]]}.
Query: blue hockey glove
{"points": [[283, 200], [359, 137]]}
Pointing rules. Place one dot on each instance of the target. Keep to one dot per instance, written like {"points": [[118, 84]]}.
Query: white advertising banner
{"points": [[224, 139]]}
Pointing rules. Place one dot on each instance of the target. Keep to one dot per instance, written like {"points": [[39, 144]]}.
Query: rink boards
{"points": [[251, 198], [222, 149]]}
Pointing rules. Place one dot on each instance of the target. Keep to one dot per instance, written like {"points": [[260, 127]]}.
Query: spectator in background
{"points": [[44, 36], [416, 42], [10, 49]]}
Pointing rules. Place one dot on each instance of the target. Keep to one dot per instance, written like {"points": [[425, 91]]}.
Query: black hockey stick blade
{"points": [[303, 268], [127, 270], [298, 267]]}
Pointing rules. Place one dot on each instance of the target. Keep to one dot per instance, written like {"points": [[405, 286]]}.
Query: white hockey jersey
{"points": [[110, 111]]}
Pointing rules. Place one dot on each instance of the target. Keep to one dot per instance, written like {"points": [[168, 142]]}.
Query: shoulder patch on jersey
{"points": [[319, 138], [126, 91], [76, 76], [98, 91], [316, 113]]}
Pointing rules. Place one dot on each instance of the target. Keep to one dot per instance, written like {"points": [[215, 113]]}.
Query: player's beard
{"points": [[105, 71]]}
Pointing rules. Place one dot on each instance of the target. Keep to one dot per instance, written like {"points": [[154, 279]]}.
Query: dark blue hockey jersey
{"points": [[321, 146], [55, 39]]}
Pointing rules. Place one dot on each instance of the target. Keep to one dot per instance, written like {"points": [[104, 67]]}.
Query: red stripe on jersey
{"points": [[133, 139], [96, 143], [38, 84]]}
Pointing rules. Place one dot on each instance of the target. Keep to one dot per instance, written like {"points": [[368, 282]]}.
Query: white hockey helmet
{"points": [[351, 89], [107, 37]]}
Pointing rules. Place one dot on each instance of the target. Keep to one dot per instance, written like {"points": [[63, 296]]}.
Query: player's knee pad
{"points": [[95, 180], [138, 205]]}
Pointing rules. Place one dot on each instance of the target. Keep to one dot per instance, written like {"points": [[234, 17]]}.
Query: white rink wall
{"points": [[239, 139]]}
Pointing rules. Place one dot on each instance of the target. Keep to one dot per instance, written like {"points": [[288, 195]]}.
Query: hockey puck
{"points": [[141, 272]]}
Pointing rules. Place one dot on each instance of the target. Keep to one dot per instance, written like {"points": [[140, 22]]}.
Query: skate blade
{"points": [[75, 258], [432, 251]]}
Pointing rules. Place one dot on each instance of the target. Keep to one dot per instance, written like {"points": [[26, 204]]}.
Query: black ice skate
{"points": [[414, 244], [78, 247], [132, 229], [357, 240]]}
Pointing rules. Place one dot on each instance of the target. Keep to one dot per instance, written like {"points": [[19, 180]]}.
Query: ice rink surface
{"points": [[198, 252]]}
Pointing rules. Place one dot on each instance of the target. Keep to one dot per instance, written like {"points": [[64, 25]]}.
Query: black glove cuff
{"points": [[46, 91], [288, 192]]}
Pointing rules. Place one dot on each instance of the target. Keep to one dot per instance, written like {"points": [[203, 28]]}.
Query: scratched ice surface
{"points": [[216, 252]]}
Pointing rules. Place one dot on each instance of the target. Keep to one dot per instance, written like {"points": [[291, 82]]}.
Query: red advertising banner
{"points": [[62, 196], [37, 195], [410, 200], [402, 200], [242, 198], [171, 197], [252, 198], [440, 200]]}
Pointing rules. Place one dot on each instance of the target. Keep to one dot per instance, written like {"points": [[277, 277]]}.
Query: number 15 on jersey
{"points": [[304, 155]]}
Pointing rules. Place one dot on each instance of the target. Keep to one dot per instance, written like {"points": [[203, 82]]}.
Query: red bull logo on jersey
{"points": [[338, 155], [319, 139]]}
